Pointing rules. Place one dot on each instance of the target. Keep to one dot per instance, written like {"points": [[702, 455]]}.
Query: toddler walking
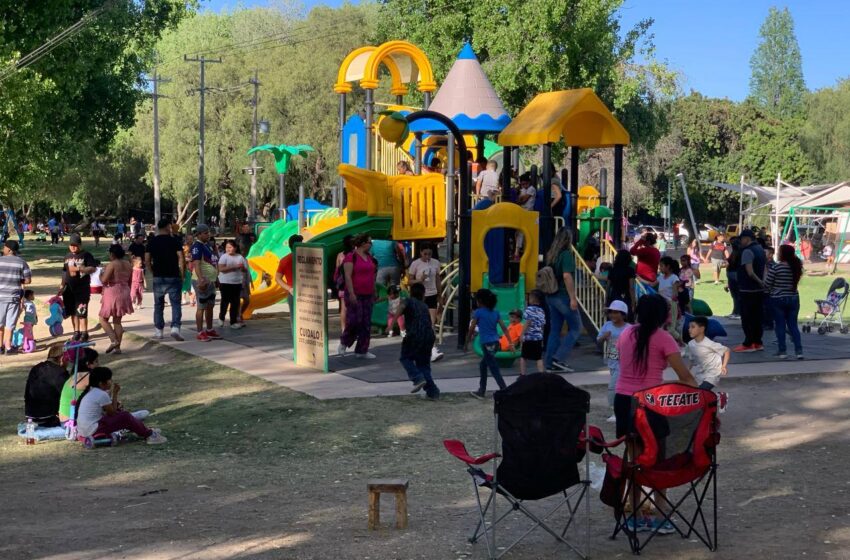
{"points": [[486, 318], [532, 333], [394, 314], [137, 284], [609, 334]]}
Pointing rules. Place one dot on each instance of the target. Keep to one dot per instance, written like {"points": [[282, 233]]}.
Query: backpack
{"points": [[546, 280]]}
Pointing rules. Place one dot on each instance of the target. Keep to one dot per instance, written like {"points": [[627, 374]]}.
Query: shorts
{"points": [[431, 301], [388, 275], [204, 298], [9, 313], [718, 264], [532, 350], [76, 303]]}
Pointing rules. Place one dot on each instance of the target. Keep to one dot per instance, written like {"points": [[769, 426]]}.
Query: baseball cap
{"points": [[202, 228], [75, 239], [618, 305], [748, 233], [12, 245]]}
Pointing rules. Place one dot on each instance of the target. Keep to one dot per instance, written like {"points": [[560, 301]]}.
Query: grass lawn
{"points": [[813, 286]]}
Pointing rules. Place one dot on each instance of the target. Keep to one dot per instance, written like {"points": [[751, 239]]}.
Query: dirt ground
{"points": [[255, 471]]}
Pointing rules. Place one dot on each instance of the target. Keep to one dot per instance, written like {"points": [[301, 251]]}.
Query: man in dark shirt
{"points": [[137, 246], [76, 286], [44, 387], [751, 290], [246, 239], [164, 257]]}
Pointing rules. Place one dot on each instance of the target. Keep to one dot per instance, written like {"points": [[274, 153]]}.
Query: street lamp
{"points": [[264, 126]]}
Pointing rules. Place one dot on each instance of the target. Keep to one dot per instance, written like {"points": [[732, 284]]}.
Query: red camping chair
{"points": [[672, 442], [540, 422]]}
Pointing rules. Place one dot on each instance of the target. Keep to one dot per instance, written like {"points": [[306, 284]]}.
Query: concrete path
{"points": [[262, 349]]}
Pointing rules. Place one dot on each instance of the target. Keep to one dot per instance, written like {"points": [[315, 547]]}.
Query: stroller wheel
{"points": [[845, 330], [821, 330], [807, 328]]}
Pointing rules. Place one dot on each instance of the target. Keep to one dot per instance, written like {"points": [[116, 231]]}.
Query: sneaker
{"points": [[403, 334], [340, 350], [237, 326], [366, 356], [477, 394], [638, 525], [175, 334], [560, 367], [84, 336], [781, 355], [800, 357], [213, 335], [220, 323], [436, 355], [611, 419], [758, 347], [744, 348], [203, 336], [733, 316], [157, 334], [417, 386], [156, 438], [77, 336], [722, 401], [661, 526], [390, 334]]}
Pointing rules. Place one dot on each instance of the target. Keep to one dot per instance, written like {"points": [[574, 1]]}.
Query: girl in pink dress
{"points": [[115, 303], [137, 286]]}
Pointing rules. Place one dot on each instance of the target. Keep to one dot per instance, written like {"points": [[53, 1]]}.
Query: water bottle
{"points": [[30, 431]]}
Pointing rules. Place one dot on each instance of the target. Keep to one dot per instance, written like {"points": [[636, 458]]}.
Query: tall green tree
{"points": [[80, 93], [826, 132], [532, 46], [776, 82]]}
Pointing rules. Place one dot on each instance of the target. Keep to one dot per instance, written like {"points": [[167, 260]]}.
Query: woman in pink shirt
{"points": [[646, 349], [360, 273]]}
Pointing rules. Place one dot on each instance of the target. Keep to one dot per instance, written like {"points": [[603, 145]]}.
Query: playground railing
{"points": [[387, 155], [607, 252], [449, 274], [589, 292]]}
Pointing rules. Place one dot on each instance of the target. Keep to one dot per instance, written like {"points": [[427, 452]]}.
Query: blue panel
{"points": [[354, 142]]}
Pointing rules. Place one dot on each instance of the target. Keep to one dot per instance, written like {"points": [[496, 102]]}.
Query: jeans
{"points": [[732, 283], [557, 346], [418, 369], [231, 296], [752, 311], [614, 370], [785, 311], [172, 287], [488, 360]]}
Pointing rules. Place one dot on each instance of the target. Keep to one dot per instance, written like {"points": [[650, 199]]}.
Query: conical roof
{"points": [[467, 98]]}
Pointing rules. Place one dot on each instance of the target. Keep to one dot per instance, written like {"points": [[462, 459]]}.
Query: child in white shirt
{"points": [[709, 359]]}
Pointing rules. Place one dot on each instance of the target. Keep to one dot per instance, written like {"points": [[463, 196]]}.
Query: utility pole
{"points": [[202, 89], [256, 83], [157, 193]]}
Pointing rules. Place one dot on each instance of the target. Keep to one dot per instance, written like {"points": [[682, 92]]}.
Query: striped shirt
{"points": [[13, 272], [779, 280]]}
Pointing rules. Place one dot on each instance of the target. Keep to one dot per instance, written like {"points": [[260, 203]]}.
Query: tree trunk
{"points": [[222, 212]]}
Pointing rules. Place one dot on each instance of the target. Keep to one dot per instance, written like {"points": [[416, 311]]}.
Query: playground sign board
{"points": [[311, 306]]}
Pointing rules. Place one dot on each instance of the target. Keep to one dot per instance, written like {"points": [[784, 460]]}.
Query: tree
{"points": [[80, 93], [532, 46], [777, 81], [826, 132]]}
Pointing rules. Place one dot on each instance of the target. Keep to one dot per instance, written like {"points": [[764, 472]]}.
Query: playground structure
{"points": [[433, 207]]}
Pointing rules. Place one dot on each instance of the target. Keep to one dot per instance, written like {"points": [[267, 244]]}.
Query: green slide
{"points": [[274, 238]]}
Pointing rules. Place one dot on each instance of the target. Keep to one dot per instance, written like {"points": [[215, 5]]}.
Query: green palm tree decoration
{"points": [[282, 155]]}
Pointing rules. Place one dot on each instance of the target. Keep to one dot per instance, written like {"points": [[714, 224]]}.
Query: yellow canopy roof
{"points": [[576, 115]]}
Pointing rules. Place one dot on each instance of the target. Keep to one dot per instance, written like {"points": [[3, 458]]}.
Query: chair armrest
{"points": [[457, 449]]}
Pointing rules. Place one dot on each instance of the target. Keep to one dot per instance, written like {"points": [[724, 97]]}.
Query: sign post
{"points": [[311, 306]]}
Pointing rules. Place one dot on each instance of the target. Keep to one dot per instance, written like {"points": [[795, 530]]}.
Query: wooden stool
{"points": [[397, 486]]}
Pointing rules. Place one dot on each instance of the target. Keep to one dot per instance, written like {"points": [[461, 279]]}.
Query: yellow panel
{"points": [[577, 115], [504, 215], [393, 50], [588, 198], [419, 206], [354, 65]]}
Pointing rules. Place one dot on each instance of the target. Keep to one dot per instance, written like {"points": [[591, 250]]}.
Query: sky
{"points": [[710, 42]]}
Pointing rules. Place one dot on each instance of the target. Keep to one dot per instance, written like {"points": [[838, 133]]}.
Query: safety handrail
{"points": [[449, 272], [589, 292]]}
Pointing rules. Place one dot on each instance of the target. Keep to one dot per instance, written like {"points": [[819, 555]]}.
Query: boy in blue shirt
{"points": [[486, 318]]}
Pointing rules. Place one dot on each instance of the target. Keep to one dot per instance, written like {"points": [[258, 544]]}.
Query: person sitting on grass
{"points": [[44, 387], [88, 361], [486, 318], [416, 346], [100, 412], [532, 332]]}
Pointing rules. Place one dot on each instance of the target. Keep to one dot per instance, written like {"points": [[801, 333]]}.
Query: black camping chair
{"points": [[541, 421]]}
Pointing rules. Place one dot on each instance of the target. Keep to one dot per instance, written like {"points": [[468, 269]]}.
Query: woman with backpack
{"points": [[562, 303], [360, 272]]}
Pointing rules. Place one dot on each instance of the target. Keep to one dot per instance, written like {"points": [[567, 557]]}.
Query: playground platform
{"points": [[264, 349]]}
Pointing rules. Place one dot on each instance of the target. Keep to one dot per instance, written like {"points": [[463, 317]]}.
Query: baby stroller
{"points": [[832, 309]]}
